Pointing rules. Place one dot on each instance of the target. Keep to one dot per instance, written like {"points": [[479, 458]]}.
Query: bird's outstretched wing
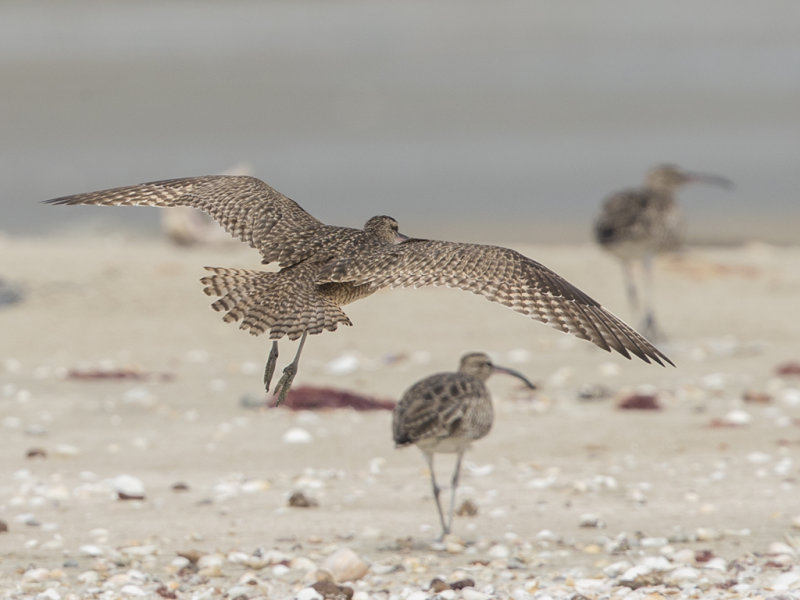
{"points": [[500, 275], [245, 207]]}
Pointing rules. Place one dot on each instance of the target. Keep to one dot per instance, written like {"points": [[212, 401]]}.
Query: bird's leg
{"points": [[649, 325], [630, 286], [445, 528], [269, 369], [285, 382], [453, 487]]}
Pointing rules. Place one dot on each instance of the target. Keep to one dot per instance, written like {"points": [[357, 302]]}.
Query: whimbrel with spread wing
{"points": [[638, 223], [323, 267], [445, 413]]}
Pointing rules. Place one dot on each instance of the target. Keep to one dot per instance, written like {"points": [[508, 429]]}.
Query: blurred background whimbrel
{"points": [[445, 413], [636, 224], [323, 267]]}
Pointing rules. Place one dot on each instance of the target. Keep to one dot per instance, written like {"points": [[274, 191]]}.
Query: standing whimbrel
{"points": [[323, 267], [638, 223], [445, 413]]}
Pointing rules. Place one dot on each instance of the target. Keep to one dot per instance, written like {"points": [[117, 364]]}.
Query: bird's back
{"points": [[635, 222], [443, 413]]}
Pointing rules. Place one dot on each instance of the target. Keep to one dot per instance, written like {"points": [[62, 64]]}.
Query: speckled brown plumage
{"points": [[636, 224], [324, 267], [445, 413]]}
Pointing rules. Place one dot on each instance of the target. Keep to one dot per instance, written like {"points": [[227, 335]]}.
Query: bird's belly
{"points": [[447, 445], [345, 293]]}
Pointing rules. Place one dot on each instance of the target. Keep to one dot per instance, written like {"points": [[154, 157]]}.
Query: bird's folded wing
{"points": [[500, 275]]}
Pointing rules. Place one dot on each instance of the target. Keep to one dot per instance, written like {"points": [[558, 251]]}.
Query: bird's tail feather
{"points": [[279, 303]]}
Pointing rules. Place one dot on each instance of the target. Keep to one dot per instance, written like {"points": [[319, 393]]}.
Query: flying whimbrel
{"points": [[636, 224], [445, 413], [323, 267]]}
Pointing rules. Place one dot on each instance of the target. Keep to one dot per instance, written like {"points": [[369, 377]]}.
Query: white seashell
{"points": [[499, 551], [617, 568], [683, 574], [296, 435], [128, 485], [209, 561], [308, 593], [786, 581], [716, 564], [590, 520], [133, 590], [518, 355], [473, 594], [738, 418], [653, 542], [37, 574], [344, 365], [479, 470], [66, 450], [91, 550], [345, 565], [758, 458], [139, 396], [139, 550]]}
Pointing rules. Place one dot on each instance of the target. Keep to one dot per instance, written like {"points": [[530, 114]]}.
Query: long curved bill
{"points": [[709, 179], [516, 374]]}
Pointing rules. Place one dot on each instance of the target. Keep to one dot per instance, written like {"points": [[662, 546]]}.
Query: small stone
{"points": [[639, 402], [3, 526], [193, 556], [703, 556], [345, 565], [49, 594], [499, 551], [332, 591], [462, 583], [756, 397], [467, 509], [589, 520], [36, 453], [180, 486], [437, 585], [300, 500]]}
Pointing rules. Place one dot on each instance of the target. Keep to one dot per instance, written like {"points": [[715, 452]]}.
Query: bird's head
{"points": [[479, 365], [384, 228]]}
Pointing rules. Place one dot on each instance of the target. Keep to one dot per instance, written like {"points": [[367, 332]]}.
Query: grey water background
{"points": [[505, 120]]}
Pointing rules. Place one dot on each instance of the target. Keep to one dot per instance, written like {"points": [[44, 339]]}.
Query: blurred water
{"points": [[503, 120]]}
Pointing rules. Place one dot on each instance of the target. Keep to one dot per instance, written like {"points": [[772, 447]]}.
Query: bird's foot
{"points": [[285, 383], [651, 330], [269, 369]]}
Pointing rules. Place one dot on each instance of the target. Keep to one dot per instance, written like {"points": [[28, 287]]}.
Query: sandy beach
{"points": [[576, 497]]}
